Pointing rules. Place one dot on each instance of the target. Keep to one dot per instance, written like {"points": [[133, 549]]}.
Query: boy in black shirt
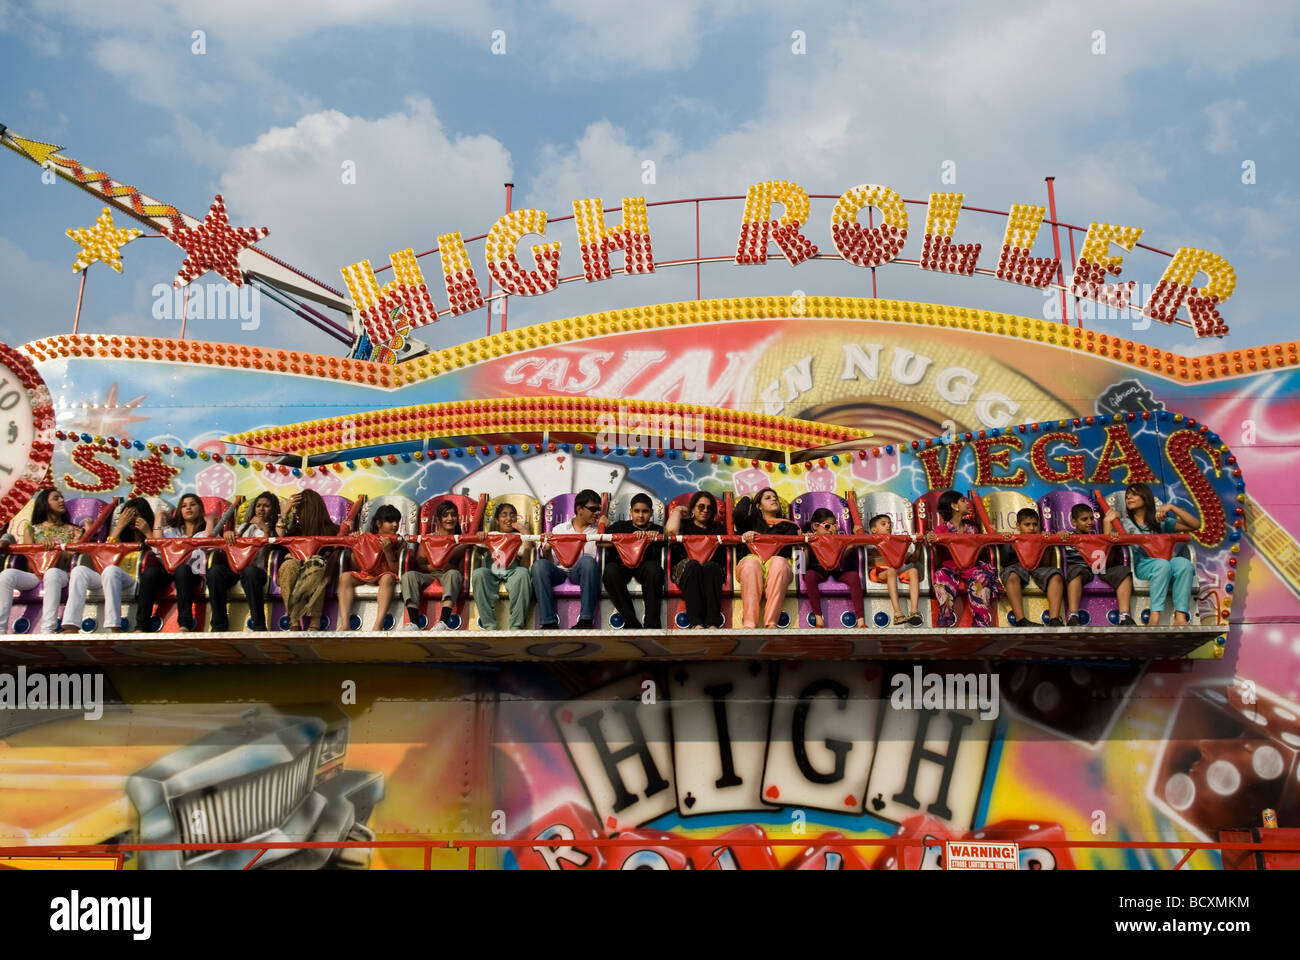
{"points": [[649, 572]]}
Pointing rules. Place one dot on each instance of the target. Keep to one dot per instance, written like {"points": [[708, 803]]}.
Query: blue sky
{"points": [[1145, 114]]}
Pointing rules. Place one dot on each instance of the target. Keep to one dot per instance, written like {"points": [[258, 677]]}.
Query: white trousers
{"points": [[54, 582], [114, 581]]}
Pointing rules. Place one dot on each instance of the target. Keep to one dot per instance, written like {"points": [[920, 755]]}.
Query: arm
{"points": [[1184, 522], [674, 522]]}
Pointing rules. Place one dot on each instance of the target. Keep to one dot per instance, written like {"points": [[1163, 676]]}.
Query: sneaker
{"points": [[1055, 622], [1023, 622], [1126, 620], [441, 625], [550, 626], [584, 625], [1074, 621], [411, 626]]}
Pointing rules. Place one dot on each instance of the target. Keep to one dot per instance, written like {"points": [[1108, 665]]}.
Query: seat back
{"points": [[805, 505], [1002, 507], [83, 510], [620, 508], [529, 510], [214, 506], [899, 510], [407, 507], [337, 507], [1055, 509], [558, 510], [464, 512]]}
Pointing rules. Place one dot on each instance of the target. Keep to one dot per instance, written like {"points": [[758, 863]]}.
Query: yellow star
{"points": [[103, 241]]}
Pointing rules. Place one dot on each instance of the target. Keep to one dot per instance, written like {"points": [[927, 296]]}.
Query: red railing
{"points": [[897, 844]]}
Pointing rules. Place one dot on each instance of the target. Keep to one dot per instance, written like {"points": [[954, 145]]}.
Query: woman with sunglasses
{"points": [[50, 525], [763, 582], [700, 583], [823, 522]]}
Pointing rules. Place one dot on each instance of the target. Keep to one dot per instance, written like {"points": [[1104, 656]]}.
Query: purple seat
{"points": [[83, 510], [802, 508], [1098, 604], [559, 510]]}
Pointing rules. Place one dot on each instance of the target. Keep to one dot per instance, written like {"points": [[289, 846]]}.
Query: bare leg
{"points": [[891, 581], [347, 594], [1015, 596], [1055, 590], [387, 585]]}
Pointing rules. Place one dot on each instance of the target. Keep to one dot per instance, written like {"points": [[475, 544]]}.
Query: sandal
{"points": [[915, 620], [900, 619]]}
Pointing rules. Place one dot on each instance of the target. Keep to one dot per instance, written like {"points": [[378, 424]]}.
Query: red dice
{"points": [[722, 853], [646, 850], [929, 857], [557, 841], [1037, 842], [828, 857]]}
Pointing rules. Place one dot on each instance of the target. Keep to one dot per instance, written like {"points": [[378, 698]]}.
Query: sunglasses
{"points": [[589, 506]]}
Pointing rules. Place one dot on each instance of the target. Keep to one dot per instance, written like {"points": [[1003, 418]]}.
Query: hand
{"points": [[482, 536], [142, 525], [859, 530], [1163, 510], [229, 537], [929, 536], [747, 536], [1109, 517], [679, 509]]}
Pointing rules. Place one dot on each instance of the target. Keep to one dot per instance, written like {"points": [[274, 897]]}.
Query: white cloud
{"points": [[39, 296], [1221, 114], [414, 181]]}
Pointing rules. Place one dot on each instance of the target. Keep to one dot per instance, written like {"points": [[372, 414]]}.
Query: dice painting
{"points": [[555, 841], [1225, 759], [1037, 843]]}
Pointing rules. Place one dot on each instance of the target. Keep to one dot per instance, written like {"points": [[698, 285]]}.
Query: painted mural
{"points": [[651, 743]]}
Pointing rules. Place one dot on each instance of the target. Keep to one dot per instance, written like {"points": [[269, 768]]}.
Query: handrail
{"points": [[898, 844]]}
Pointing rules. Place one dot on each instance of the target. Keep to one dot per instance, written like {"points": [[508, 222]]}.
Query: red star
{"points": [[213, 245], [150, 476]]}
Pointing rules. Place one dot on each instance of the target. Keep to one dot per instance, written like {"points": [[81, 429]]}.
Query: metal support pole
{"points": [[1056, 242], [505, 301], [76, 317]]}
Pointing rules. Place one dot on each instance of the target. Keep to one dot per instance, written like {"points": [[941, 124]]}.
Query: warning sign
{"points": [[962, 855]]}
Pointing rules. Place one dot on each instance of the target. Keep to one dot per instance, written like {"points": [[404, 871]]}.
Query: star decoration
{"points": [[150, 476], [110, 418], [103, 241], [213, 245]]}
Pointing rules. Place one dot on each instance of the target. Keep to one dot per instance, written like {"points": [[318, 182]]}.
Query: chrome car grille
{"points": [[244, 808]]}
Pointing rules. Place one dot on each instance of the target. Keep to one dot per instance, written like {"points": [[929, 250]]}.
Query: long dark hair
{"points": [[1148, 505], [947, 500], [142, 508], [385, 514], [758, 509], [43, 512], [177, 522], [313, 518], [271, 498]]}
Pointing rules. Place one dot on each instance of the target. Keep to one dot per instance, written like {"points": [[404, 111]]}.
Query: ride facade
{"points": [[967, 575]]}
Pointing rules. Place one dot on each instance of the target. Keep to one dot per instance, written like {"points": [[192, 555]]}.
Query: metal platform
{"points": [[498, 646]]}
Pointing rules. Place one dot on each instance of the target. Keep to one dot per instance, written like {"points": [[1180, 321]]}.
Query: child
{"points": [[649, 573], [957, 515], [823, 521], [1014, 575], [1078, 572], [487, 579], [881, 572], [385, 523], [420, 573]]}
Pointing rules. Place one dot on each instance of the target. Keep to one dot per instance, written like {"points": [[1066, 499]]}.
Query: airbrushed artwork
{"points": [[762, 582]]}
